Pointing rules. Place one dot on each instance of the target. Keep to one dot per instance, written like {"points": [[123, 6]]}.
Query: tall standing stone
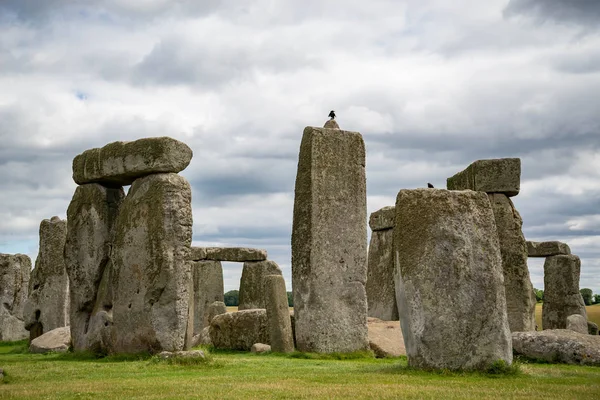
{"points": [[208, 288], [329, 242], [15, 270], [152, 278], [520, 298], [561, 291], [90, 220], [278, 315], [252, 283], [380, 287], [48, 301], [449, 282]]}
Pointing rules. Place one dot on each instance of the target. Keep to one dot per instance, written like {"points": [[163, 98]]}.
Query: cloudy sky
{"points": [[432, 85]]}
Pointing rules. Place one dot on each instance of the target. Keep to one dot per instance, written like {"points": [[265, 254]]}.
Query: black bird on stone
{"points": [[429, 185], [332, 114]]}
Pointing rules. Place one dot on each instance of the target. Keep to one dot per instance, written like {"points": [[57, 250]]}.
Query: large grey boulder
{"points": [[380, 287], [382, 219], [120, 163], [329, 242], [90, 221], [48, 303], [252, 283], [15, 270], [558, 345], [152, 280], [561, 291], [208, 288], [447, 253], [577, 323], [547, 249], [232, 254], [520, 298], [239, 330], [502, 175], [56, 340], [216, 308], [278, 315]]}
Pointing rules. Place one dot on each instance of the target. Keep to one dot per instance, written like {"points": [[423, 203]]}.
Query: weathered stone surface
{"points": [[385, 338], [90, 220], [15, 270], [216, 308], [329, 242], [278, 314], [382, 218], [380, 287], [120, 163], [331, 124], [48, 300], [56, 340], [260, 348], [187, 354], [152, 277], [208, 288], [232, 254], [561, 291], [203, 338], [501, 175], [558, 345], [252, 283], [577, 323], [592, 328], [547, 249], [447, 252], [239, 330], [520, 298]]}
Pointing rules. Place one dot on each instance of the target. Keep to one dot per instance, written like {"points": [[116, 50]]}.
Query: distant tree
{"points": [[587, 296], [539, 295], [232, 298], [290, 299], [596, 299]]}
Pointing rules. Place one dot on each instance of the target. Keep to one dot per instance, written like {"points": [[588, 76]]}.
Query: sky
{"points": [[432, 85]]}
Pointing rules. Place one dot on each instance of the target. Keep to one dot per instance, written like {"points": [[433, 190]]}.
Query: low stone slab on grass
{"points": [[56, 340], [501, 175], [239, 330], [547, 249], [385, 338], [232, 254], [558, 345]]}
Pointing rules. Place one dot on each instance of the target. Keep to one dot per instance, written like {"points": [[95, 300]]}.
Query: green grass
{"points": [[593, 314], [232, 375]]}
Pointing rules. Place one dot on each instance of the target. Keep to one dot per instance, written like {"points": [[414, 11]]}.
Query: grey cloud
{"points": [[580, 12]]}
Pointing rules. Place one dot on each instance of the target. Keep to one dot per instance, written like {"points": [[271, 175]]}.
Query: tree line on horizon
{"points": [[589, 298]]}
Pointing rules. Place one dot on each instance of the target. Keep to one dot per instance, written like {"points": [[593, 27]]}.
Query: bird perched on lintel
{"points": [[331, 123], [332, 114], [429, 185]]}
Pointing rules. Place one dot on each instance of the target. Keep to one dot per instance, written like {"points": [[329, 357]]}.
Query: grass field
{"points": [[593, 314], [245, 375]]}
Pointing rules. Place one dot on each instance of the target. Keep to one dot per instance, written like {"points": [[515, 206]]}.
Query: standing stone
{"points": [[447, 253], [278, 315], [252, 283], [216, 308], [577, 323], [90, 219], [14, 281], [380, 287], [152, 277], [47, 306], [208, 288], [329, 242], [520, 298], [501, 175], [561, 291]]}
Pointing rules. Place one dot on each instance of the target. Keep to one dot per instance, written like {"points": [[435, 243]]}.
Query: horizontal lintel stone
{"points": [[233, 254], [500, 175], [547, 249], [383, 218]]}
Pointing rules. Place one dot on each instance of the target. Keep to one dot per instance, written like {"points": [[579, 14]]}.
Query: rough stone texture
{"points": [[561, 291], [520, 298], [501, 175], [382, 218], [331, 124], [216, 308], [239, 330], [232, 254], [203, 338], [385, 338], [592, 328], [252, 283], [90, 220], [14, 281], [56, 340], [547, 249], [558, 345], [329, 242], [152, 277], [380, 287], [260, 348], [447, 252], [191, 354], [120, 163], [577, 323], [47, 306], [208, 288], [278, 314]]}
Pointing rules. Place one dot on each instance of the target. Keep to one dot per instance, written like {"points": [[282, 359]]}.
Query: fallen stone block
{"points": [[239, 330], [382, 219], [260, 348], [182, 354], [57, 340], [231, 254], [501, 175], [577, 323], [120, 163], [547, 249], [558, 345], [252, 283]]}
